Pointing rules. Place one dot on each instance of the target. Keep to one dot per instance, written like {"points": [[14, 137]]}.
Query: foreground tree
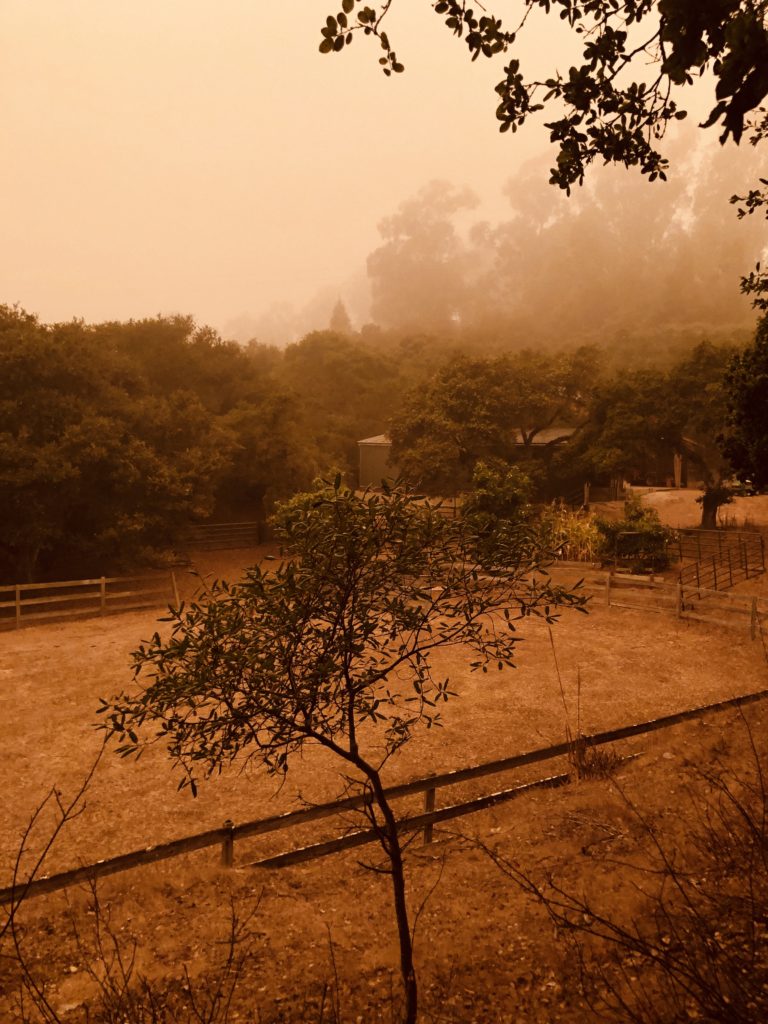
{"points": [[607, 114], [334, 648]]}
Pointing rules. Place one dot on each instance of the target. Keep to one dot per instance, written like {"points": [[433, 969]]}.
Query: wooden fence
{"points": [[222, 536], [697, 604], [23, 604], [226, 836]]}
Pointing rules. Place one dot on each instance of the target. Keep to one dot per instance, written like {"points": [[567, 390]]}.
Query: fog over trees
{"points": [[621, 261], [619, 258], [614, 311]]}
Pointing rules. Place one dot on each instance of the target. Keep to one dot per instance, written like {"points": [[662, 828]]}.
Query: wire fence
{"points": [[720, 558]]}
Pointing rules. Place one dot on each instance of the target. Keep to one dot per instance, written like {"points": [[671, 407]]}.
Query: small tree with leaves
{"points": [[334, 647]]}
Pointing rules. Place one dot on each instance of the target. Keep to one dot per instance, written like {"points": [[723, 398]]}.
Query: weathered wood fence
{"points": [[697, 604], [23, 604], [226, 836]]}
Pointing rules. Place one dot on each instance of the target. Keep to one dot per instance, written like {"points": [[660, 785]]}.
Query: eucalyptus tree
{"points": [[334, 647]]}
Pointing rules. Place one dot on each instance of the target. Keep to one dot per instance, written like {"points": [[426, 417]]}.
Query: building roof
{"points": [[546, 436], [543, 437], [382, 439]]}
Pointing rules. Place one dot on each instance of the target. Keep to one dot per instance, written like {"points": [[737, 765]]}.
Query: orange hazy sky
{"points": [[202, 157]]}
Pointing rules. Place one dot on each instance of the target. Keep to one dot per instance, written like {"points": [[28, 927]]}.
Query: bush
{"points": [[638, 541], [680, 935], [497, 507]]}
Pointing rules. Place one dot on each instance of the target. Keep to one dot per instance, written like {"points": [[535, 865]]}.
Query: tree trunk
{"points": [[391, 844], [710, 503], [27, 564]]}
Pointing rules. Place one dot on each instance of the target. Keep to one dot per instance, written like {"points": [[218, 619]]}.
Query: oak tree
{"points": [[745, 440]]}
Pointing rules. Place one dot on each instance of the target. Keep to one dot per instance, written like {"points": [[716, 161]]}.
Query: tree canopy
{"points": [[637, 422], [479, 409], [114, 436]]}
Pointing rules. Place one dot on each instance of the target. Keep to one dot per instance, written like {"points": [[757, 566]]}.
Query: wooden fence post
{"points": [[18, 606], [730, 567], [228, 845], [698, 582], [608, 590], [754, 622], [714, 572], [103, 594], [679, 599], [429, 805]]}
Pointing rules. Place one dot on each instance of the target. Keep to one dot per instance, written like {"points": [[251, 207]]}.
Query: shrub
{"points": [[638, 541]]}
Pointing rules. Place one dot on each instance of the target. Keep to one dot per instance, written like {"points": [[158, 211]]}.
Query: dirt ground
{"points": [[486, 955], [678, 508], [630, 666], [323, 931]]}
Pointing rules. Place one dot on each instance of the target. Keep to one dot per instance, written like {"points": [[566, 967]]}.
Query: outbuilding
{"points": [[374, 460]]}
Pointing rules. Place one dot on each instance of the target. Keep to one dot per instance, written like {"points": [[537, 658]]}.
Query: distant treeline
{"points": [[115, 436]]}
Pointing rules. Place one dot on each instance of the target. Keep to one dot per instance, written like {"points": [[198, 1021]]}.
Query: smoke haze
{"points": [[187, 158]]}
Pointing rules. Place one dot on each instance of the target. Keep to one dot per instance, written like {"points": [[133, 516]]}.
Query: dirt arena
{"points": [[631, 665]]}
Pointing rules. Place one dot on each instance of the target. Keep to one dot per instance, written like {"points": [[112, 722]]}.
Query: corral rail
{"points": [[226, 835], [29, 603], [691, 603]]}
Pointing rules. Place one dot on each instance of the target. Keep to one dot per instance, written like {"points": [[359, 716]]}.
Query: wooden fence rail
{"points": [[226, 836], [693, 603], [27, 603]]}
